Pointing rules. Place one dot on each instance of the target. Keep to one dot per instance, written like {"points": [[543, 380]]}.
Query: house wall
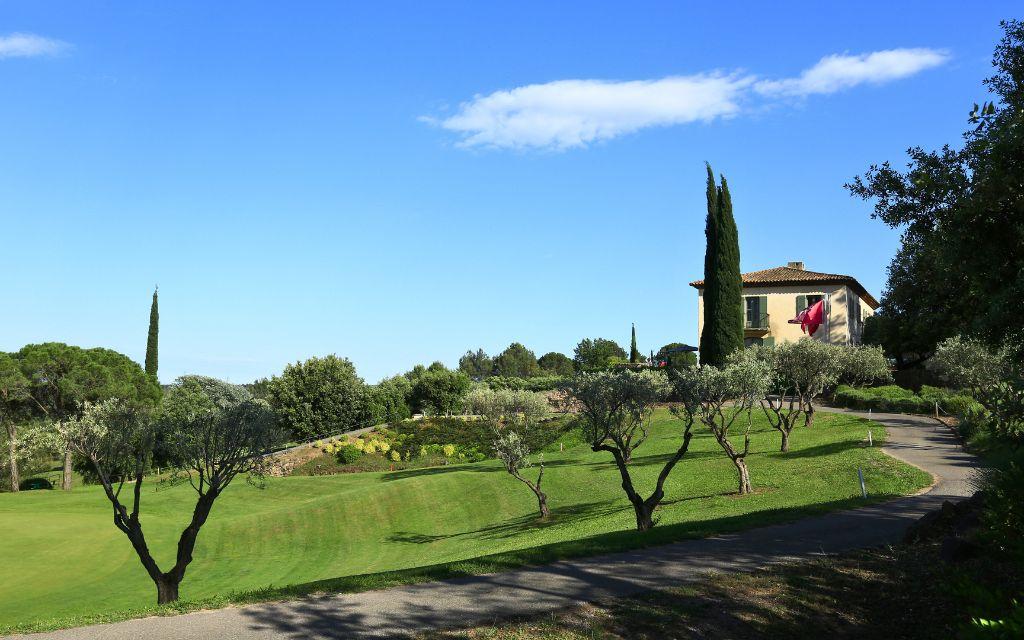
{"points": [[782, 308]]}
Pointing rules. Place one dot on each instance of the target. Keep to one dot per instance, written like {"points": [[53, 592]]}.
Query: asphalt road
{"points": [[403, 611]]}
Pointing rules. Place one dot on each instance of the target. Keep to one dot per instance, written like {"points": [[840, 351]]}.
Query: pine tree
{"points": [[723, 286], [634, 353], [151, 342]]}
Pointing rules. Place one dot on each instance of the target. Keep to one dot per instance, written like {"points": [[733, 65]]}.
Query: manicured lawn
{"points": [[64, 563]]}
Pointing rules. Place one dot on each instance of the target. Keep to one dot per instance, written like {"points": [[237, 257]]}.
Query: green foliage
{"points": [[476, 364], [556, 364], [389, 400], [994, 377], [64, 377], [615, 406], [723, 288], [439, 391], [319, 396], [597, 354], [895, 399], [516, 361], [152, 340], [472, 434], [998, 612], [540, 383], [348, 454], [497, 405], [961, 215], [864, 365]]}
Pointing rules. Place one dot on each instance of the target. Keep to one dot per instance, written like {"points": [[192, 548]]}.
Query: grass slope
{"points": [[64, 563]]}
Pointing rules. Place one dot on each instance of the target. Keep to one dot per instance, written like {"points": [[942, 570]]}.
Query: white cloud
{"points": [[28, 45], [573, 113], [836, 72]]}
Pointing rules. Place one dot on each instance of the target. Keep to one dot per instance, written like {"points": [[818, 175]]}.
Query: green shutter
{"points": [[763, 310], [768, 341], [801, 303]]}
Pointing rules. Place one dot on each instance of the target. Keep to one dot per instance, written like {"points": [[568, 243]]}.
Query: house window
{"points": [[750, 342], [856, 326], [802, 302], [754, 313]]}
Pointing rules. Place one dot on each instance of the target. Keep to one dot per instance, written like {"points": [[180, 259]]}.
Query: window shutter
{"points": [[768, 342], [801, 303], [763, 310]]}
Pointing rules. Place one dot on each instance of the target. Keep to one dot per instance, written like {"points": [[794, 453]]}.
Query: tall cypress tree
{"points": [[723, 286], [152, 340], [634, 353], [710, 275]]}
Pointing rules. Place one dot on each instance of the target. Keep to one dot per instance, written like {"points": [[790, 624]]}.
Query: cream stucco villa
{"points": [[772, 297]]}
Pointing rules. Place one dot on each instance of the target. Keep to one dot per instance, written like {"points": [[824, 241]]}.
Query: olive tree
{"points": [[864, 364], [615, 409], [807, 368], [720, 397], [210, 430], [994, 377], [513, 415]]}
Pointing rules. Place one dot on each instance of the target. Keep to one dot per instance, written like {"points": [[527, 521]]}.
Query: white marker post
{"points": [[870, 441], [863, 489]]}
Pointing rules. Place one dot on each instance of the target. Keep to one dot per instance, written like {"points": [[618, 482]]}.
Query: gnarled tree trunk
{"points": [[785, 440], [644, 509], [166, 589], [542, 498], [66, 479], [744, 473]]}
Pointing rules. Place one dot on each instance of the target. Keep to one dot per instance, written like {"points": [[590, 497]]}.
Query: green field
{"points": [[63, 562]]}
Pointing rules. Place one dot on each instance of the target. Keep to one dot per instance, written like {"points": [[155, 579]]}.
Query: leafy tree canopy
{"points": [[962, 216], [516, 361], [476, 364], [597, 353], [556, 364], [319, 396]]}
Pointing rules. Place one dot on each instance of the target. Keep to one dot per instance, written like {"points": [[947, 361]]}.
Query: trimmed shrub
{"points": [[348, 454]]}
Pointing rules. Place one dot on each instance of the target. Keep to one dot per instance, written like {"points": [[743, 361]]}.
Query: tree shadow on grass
{"points": [[391, 476], [329, 618], [817, 451], [522, 524]]}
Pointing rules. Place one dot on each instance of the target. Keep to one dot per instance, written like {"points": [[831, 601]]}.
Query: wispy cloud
{"points": [[574, 113], [837, 72], [29, 45]]}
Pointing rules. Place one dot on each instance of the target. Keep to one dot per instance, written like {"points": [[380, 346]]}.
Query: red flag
{"points": [[810, 318]]}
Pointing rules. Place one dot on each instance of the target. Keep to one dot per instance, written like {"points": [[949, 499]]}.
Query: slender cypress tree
{"points": [[152, 340], [723, 286], [730, 280], [634, 353], [710, 276]]}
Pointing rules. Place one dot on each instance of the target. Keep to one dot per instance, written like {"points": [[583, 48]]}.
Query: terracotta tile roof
{"points": [[791, 276]]}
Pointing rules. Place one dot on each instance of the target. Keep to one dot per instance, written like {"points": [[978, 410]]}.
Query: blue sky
{"points": [[397, 182]]}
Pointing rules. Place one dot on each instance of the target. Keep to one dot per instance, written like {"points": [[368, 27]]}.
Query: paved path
{"points": [[404, 610]]}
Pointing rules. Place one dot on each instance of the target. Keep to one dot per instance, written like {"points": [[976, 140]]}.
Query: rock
{"points": [[956, 549], [952, 518]]}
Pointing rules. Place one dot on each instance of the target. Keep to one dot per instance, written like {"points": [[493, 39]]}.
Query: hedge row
{"points": [[893, 398]]}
